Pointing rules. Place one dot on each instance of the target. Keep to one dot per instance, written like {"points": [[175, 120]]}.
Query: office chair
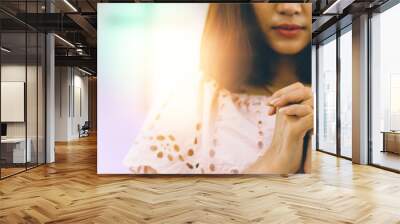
{"points": [[84, 130]]}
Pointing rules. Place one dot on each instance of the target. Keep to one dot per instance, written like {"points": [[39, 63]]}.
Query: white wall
{"points": [[71, 93], [11, 73], [62, 81], [81, 103], [16, 73]]}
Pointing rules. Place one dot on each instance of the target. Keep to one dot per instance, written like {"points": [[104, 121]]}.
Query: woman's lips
{"points": [[288, 30]]}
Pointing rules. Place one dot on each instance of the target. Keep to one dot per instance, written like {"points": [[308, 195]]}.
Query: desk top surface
{"points": [[391, 132]]}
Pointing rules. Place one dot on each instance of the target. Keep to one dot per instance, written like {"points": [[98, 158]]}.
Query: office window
{"points": [[327, 96], [346, 93], [385, 89]]}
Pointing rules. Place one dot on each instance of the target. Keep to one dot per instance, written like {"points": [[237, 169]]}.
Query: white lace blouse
{"points": [[202, 129]]}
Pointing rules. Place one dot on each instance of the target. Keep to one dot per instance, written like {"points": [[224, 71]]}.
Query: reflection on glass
{"points": [[22, 92], [394, 101], [385, 84], [346, 94], [327, 97], [31, 101], [13, 85]]}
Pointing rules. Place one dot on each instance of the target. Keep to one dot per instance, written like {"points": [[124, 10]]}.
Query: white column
{"points": [[50, 92], [50, 100], [360, 90]]}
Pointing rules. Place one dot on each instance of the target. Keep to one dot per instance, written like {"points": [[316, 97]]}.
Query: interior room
{"points": [[22, 102], [52, 167]]}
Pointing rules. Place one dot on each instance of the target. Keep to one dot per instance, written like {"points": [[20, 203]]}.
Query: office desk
{"points": [[13, 150], [391, 141]]}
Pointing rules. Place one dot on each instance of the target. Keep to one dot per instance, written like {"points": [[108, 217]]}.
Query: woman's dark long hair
{"points": [[234, 50]]}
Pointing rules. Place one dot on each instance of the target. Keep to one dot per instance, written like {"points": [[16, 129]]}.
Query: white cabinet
{"points": [[18, 149]]}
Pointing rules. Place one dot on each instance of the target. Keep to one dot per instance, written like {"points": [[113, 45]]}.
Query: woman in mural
{"points": [[252, 109]]}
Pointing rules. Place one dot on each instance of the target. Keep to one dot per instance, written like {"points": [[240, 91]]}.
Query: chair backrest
{"points": [[86, 124]]}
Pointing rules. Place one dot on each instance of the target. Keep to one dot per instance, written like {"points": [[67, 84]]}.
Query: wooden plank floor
{"points": [[70, 191]]}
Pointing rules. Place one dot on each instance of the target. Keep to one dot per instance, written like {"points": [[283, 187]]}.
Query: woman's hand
{"points": [[295, 96], [293, 106], [295, 100]]}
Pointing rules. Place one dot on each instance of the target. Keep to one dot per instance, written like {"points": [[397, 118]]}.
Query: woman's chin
{"points": [[288, 48]]}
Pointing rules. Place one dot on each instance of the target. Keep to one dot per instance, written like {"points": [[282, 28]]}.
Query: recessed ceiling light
{"points": [[65, 41], [5, 50], [84, 71], [70, 5], [337, 7]]}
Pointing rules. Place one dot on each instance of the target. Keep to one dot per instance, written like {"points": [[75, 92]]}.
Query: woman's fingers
{"points": [[299, 110], [309, 103], [287, 89], [307, 163], [271, 110], [298, 117], [296, 93], [295, 96], [307, 123]]}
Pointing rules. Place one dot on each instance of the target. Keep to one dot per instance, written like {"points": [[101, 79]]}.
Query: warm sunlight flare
{"points": [[175, 57]]}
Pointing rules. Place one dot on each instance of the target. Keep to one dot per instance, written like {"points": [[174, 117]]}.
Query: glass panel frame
{"points": [[336, 136], [345, 93], [326, 100], [13, 74], [25, 60]]}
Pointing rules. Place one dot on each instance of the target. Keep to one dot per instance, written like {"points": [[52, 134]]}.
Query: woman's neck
{"points": [[285, 74]]}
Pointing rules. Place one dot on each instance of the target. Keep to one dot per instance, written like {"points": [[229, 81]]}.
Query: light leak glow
{"points": [[173, 62]]}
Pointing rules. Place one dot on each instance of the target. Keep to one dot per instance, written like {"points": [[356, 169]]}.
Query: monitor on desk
{"points": [[3, 130]]}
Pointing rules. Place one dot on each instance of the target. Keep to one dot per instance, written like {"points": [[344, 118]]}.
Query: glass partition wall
{"points": [[327, 95], [13, 86], [334, 90], [385, 90], [22, 98], [334, 94], [345, 93]]}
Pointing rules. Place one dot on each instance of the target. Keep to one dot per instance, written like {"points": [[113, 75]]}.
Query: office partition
{"points": [[22, 78]]}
